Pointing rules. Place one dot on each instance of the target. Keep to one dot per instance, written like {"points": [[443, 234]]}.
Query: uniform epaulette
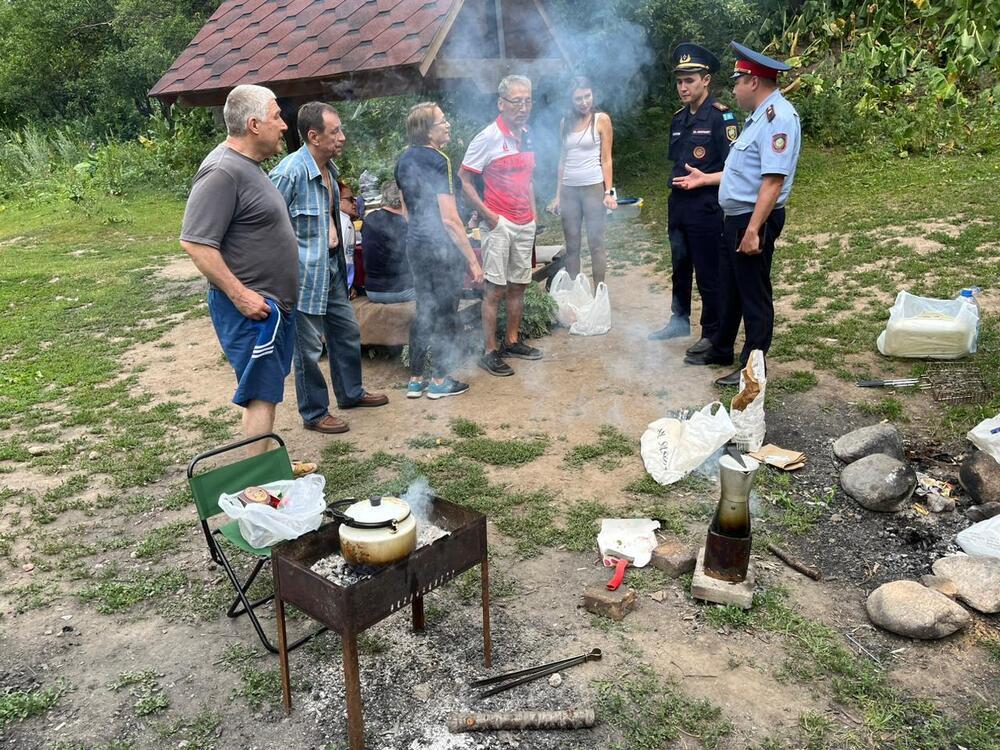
{"points": [[678, 111], [720, 106]]}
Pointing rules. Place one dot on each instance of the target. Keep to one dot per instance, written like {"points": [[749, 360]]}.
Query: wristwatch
{"points": [[609, 192]]}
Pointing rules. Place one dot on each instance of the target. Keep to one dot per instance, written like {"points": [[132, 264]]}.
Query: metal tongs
{"points": [[521, 676]]}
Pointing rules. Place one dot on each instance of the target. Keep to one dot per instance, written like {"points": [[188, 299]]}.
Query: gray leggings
{"points": [[579, 205]]}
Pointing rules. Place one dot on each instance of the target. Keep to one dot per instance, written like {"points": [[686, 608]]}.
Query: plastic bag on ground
{"points": [[925, 328], [595, 318], [747, 407], [982, 538], [300, 511], [672, 448], [570, 295], [634, 537], [986, 436]]}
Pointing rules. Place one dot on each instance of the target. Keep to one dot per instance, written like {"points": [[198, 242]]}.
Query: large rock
{"points": [[907, 608], [979, 513], [879, 482], [867, 441], [980, 476], [976, 577]]}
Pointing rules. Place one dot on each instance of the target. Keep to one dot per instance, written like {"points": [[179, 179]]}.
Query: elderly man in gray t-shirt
{"points": [[237, 231]]}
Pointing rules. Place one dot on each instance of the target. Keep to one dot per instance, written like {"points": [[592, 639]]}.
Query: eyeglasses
{"points": [[441, 122], [518, 103]]}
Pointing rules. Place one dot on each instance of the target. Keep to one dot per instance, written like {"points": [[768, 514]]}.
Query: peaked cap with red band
{"points": [[750, 63]]}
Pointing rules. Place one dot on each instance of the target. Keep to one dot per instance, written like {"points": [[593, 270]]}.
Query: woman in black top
{"points": [[438, 250], [387, 269]]}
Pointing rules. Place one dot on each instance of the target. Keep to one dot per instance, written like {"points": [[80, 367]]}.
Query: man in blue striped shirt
{"points": [[308, 181]]}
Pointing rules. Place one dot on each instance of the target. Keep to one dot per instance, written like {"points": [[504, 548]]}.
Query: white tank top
{"points": [[582, 160]]}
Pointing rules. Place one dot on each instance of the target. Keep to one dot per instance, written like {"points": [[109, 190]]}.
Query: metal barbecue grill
{"points": [[349, 610]]}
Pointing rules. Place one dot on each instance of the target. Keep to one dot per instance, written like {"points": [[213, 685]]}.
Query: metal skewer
{"points": [[522, 676]]}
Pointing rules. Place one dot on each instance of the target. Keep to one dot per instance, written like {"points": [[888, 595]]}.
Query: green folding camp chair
{"points": [[272, 466]]}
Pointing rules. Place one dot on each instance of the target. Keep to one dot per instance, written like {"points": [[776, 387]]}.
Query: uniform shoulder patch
{"points": [[732, 133], [727, 116], [779, 142], [769, 112], [720, 106]]}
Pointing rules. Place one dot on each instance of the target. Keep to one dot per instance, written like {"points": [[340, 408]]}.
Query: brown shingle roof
{"points": [[292, 46]]}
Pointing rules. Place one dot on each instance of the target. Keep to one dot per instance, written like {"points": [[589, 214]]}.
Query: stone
{"points": [[555, 680], [976, 577], [879, 482], [979, 474], [915, 611], [611, 604], [979, 513], [674, 558], [710, 589], [940, 584], [423, 691], [939, 504], [867, 441], [37, 450]]}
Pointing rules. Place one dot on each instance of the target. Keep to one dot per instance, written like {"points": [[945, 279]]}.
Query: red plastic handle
{"points": [[616, 579]]}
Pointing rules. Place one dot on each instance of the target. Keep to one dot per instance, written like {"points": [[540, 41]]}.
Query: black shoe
{"points": [[447, 387], [678, 327], [494, 365], [710, 357], [732, 378], [520, 350], [699, 347]]}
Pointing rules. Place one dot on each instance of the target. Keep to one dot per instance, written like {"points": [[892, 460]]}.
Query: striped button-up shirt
{"points": [[298, 179]]}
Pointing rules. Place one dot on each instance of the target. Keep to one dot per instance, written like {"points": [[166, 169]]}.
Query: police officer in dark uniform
{"points": [[700, 134], [755, 186]]}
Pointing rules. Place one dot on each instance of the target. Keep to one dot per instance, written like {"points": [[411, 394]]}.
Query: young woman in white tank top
{"points": [[583, 188]]}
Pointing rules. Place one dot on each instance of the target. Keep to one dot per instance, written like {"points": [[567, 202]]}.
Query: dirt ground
{"points": [[582, 383]]}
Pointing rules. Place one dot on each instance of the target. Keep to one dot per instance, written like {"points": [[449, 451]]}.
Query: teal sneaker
{"points": [[416, 388], [447, 387]]}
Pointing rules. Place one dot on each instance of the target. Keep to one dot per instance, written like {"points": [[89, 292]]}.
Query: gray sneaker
{"points": [[520, 350], [494, 365], [677, 327]]}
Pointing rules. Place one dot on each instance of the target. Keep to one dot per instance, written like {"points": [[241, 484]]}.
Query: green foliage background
{"points": [[898, 77]]}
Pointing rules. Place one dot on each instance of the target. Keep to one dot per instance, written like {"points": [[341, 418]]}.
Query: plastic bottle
{"points": [[969, 295]]}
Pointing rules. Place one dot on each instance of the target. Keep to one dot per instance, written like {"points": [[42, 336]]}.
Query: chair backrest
{"points": [[206, 487]]}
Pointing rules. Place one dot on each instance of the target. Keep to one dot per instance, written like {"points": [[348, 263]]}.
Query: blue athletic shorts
{"points": [[260, 351]]}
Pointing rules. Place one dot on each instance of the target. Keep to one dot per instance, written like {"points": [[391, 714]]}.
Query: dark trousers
{"points": [[343, 346], [435, 330], [695, 231], [746, 287]]}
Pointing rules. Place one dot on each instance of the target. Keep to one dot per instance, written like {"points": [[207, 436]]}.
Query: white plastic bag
{"points": [[571, 295], [986, 436], [747, 407], [672, 448], [633, 537], [925, 328], [301, 511], [982, 538], [594, 319]]}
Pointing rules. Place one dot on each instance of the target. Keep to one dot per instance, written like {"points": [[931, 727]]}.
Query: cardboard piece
{"points": [[780, 458]]}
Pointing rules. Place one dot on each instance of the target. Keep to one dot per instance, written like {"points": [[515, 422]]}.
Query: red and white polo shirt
{"points": [[506, 163]]}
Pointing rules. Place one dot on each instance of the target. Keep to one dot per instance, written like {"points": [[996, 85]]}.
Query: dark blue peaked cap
{"points": [[753, 63], [693, 58]]}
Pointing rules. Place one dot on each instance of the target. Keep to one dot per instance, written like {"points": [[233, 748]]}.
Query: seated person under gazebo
{"points": [[387, 270]]}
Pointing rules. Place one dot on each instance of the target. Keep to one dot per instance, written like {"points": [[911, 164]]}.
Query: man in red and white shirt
{"points": [[502, 154]]}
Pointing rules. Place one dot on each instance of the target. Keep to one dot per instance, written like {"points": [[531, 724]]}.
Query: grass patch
{"points": [[20, 705], [501, 452], [611, 443], [114, 595], [35, 595], [198, 732], [144, 687], [162, 540], [426, 441], [890, 408], [798, 381], [651, 714], [465, 428], [257, 686]]}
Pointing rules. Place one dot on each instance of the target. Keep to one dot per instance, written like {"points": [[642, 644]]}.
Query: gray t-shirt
{"points": [[235, 208]]}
